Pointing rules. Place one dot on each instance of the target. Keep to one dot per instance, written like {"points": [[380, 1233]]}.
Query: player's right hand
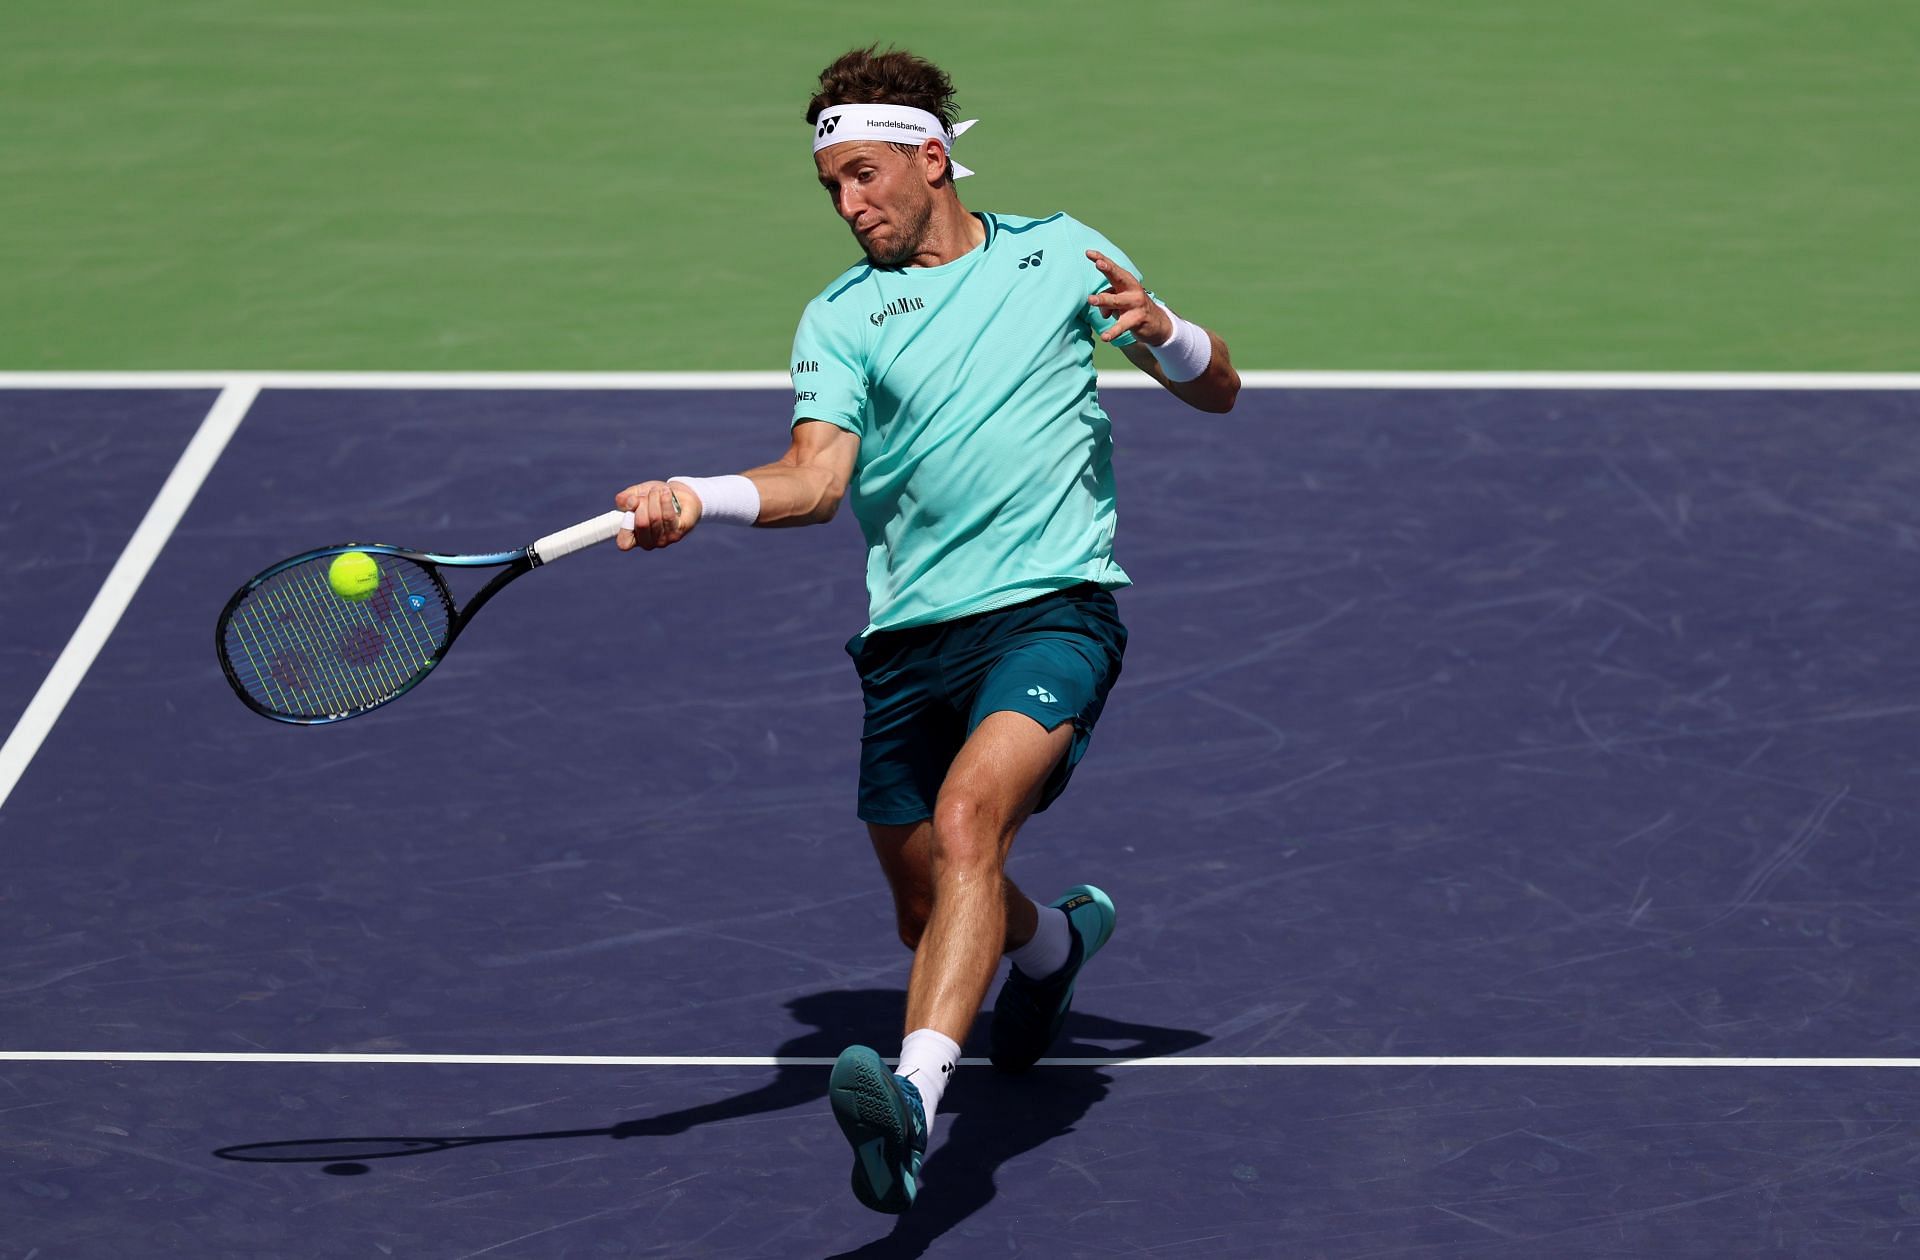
{"points": [[662, 514]]}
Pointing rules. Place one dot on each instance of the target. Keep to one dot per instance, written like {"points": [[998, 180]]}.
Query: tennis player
{"points": [[944, 385]]}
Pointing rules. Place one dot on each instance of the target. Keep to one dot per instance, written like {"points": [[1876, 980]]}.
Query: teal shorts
{"points": [[926, 687]]}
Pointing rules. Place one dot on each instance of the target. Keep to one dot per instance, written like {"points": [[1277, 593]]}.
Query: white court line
{"points": [[1167, 1061], [163, 515], [1121, 379]]}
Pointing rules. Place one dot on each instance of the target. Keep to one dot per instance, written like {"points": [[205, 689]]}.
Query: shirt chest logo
{"points": [[899, 306], [1031, 260]]}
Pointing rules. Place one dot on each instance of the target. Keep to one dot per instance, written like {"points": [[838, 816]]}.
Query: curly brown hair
{"points": [[867, 76]]}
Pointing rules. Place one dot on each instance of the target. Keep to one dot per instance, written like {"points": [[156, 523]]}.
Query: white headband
{"points": [[891, 124]]}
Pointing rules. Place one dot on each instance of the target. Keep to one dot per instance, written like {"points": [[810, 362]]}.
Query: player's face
{"points": [[882, 194]]}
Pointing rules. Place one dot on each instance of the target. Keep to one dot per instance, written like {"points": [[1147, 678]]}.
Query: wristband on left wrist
{"points": [[1186, 354]]}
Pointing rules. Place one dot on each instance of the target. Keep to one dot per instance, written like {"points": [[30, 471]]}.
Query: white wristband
{"points": [[1187, 352], [731, 500]]}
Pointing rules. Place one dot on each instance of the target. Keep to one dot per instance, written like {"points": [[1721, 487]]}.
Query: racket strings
{"points": [[298, 649]]}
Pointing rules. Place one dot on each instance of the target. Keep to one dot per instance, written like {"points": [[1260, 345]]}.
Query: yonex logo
{"points": [[1031, 260], [416, 602], [946, 1069], [1042, 694], [827, 125]]}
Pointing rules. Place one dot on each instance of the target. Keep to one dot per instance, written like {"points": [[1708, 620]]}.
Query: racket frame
{"points": [[511, 564]]}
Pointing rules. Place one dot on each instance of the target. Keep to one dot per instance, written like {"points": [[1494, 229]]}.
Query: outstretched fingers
{"points": [[1127, 302]]}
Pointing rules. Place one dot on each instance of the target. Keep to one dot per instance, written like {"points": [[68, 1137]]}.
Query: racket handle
{"points": [[574, 538]]}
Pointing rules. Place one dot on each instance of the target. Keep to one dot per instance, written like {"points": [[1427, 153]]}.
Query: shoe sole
{"points": [[870, 1115]]}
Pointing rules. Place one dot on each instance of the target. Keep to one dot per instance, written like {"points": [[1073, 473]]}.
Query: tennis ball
{"points": [[353, 575]]}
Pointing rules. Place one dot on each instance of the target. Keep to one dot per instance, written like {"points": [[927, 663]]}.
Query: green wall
{"points": [[576, 185]]}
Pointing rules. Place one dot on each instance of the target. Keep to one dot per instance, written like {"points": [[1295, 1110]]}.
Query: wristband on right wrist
{"points": [[733, 500]]}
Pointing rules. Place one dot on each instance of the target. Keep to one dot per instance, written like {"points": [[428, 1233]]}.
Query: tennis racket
{"points": [[295, 651]]}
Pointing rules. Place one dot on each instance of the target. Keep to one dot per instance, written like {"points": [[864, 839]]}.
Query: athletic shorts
{"points": [[1053, 659]]}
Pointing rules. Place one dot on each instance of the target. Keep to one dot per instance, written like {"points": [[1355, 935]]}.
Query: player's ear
{"points": [[933, 156]]}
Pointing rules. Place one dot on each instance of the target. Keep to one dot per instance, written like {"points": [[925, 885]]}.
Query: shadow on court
{"points": [[991, 1118]]}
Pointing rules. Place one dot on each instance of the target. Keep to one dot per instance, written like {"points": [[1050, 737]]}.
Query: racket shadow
{"points": [[837, 1017], [989, 1118]]}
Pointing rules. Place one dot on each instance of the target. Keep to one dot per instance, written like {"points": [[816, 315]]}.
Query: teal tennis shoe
{"points": [[1028, 1013], [885, 1123]]}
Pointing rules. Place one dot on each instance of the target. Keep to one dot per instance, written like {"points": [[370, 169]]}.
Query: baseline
{"points": [[724, 1060], [1120, 379]]}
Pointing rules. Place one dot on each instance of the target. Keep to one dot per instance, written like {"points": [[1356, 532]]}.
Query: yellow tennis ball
{"points": [[353, 575]]}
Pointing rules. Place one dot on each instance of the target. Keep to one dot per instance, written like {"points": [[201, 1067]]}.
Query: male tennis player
{"points": [[946, 384]]}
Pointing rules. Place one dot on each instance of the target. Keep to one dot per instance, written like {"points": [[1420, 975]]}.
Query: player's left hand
{"points": [[1126, 300]]}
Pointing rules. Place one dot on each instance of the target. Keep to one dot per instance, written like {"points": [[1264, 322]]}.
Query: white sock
{"points": [[927, 1058], [1047, 952]]}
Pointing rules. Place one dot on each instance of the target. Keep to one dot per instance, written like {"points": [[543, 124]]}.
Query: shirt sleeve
{"points": [[1096, 318], [829, 371]]}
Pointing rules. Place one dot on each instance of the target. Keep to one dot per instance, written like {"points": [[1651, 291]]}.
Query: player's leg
{"points": [[950, 901], [906, 858], [905, 852], [1062, 660], [992, 787], [911, 735]]}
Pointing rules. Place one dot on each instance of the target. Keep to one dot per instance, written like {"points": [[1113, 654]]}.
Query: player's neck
{"points": [[952, 232]]}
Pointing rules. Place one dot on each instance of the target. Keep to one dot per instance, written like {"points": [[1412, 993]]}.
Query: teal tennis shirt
{"points": [[985, 474]]}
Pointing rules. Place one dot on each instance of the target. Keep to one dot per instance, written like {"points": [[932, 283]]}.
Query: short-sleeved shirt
{"points": [[985, 473]]}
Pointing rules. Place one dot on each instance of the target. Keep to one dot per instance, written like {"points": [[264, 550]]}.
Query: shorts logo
{"points": [[1031, 260], [1042, 695]]}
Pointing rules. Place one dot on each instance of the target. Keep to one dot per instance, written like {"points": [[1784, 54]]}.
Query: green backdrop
{"points": [[588, 184]]}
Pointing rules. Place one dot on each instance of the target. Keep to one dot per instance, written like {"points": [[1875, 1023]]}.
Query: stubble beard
{"points": [[907, 241]]}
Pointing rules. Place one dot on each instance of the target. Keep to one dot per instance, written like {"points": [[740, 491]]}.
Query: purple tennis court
{"points": [[1507, 803]]}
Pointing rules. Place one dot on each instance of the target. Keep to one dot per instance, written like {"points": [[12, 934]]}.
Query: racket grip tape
{"points": [[579, 537]]}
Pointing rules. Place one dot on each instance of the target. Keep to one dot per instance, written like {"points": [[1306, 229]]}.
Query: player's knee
{"points": [[966, 835]]}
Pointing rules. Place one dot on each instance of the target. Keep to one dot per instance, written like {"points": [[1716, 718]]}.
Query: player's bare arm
{"points": [[805, 486], [1135, 311], [802, 487]]}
